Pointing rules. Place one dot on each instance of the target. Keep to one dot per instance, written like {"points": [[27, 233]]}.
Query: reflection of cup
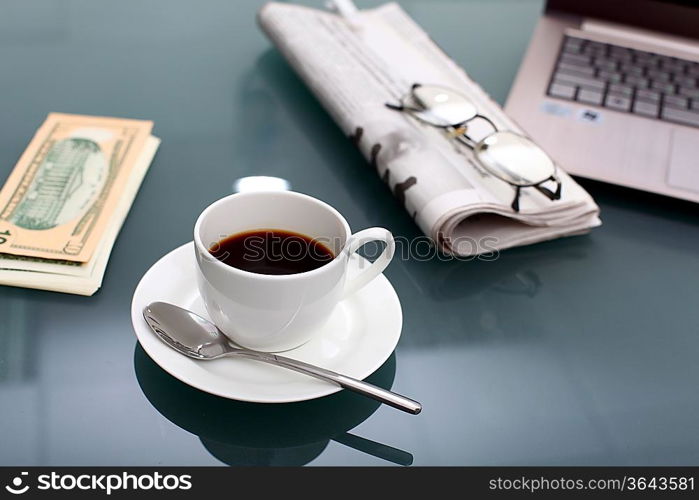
{"points": [[279, 312], [240, 433]]}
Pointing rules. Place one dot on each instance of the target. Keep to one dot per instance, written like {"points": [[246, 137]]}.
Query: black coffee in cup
{"points": [[272, 251]]}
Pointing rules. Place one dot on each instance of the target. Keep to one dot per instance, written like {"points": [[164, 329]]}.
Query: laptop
{"points": [[610, 89]]}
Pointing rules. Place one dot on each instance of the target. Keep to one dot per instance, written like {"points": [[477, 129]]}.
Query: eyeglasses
{"points": [[509, 156]]}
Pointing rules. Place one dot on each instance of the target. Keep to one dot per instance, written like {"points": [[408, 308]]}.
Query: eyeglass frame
{"points": [[458, 131]]}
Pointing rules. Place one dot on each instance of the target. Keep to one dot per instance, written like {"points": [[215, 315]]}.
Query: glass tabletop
{"points": [[575, 351]]}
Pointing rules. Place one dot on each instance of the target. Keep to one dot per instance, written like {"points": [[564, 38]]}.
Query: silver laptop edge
{"points": [[596, 142]]}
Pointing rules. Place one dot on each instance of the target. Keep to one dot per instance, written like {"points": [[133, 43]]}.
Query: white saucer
{"points": [[361, 334]]}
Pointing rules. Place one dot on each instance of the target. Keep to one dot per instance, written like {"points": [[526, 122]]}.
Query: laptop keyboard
{"points": [[623, 79]]}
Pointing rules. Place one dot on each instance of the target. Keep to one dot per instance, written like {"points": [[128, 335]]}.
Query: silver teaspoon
{"points": [[198, 338]]}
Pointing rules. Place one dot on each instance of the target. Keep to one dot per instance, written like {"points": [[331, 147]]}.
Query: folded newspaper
{"points": [[357, 61]]}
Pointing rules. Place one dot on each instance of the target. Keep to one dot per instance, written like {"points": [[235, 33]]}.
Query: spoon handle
{"points": [[352, 384]]}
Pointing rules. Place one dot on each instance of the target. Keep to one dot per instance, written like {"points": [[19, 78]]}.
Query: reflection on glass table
{"points": [[239, 433]]}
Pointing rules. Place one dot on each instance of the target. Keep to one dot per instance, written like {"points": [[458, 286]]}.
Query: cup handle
{"points": [[358, 240]]}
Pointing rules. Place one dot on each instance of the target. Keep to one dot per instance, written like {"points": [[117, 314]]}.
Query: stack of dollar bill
{"points": [[64, 203]]}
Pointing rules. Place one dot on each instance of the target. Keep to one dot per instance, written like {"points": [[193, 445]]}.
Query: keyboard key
{"points": [[580, 80], [620, 52], [622, 57], [648, 95], [606, 64], [637, 81], [685, 81], [622, 90], [653, 61], [694, 106], [575, 69], [675, 101], [578, 59], [665, 61], [673, 66], [646, 108], [657, 75], [610, 76], [564, 91], [691, 93], [596, 46], [643, 58], [572, 44], [590, 96], [680, 116], [632, 69], [618, 102], [615, 49], [592, 52], [667, 88]]}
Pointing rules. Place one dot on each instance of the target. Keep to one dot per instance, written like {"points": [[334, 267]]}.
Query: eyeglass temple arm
{"points": [[401, 107], [551, 195], [515, 202]]}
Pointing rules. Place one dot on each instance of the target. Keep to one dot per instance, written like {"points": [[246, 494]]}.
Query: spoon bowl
{"points": [[186, 332]]}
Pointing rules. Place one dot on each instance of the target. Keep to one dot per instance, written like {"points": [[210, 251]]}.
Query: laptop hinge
{"points": [[636, 38]]}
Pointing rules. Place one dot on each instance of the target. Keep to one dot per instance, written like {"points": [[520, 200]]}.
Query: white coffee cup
{"points": [[279, 312]]}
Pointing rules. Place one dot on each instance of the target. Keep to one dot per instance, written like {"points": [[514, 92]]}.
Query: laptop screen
{"points": [[678, 17]]}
